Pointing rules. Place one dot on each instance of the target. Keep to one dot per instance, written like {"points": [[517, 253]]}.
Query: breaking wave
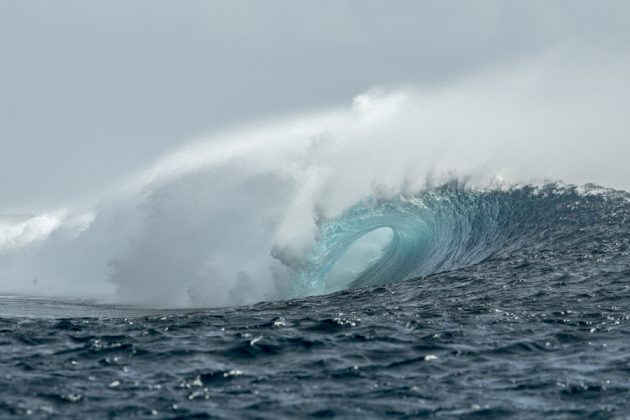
{"points": [[401, 185]]}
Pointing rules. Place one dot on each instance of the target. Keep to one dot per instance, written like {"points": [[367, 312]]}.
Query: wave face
{"points": [[450, 228], [400, 185]]}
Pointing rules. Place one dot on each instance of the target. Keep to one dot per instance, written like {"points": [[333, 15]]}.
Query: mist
{"points": [[233, 218]]}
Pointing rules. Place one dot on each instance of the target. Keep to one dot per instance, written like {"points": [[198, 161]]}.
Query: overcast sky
{"points": [[90, 91]]}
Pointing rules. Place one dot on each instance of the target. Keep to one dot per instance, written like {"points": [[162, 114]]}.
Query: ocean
{"points": [[516, 308]]}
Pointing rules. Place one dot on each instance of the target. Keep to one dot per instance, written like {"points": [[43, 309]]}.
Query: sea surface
{"points": [[525, 314]]}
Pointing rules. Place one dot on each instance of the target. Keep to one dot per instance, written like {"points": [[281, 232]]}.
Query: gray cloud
{"points": [[89, 91]]}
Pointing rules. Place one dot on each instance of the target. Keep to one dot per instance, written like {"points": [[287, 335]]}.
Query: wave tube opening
{"points": [[367, 246], [359, 257]]}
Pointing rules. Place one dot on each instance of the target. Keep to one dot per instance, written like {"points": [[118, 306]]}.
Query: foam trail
{"points": [[234, 219]]}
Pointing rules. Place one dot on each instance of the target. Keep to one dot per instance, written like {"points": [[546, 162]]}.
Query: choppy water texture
{"points": [[522, 311]]}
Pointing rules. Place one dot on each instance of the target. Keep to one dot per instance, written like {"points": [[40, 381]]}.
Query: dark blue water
{"points": [[524, 313]]}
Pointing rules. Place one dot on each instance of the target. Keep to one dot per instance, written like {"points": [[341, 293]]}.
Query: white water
{"points": [[222, 221]]}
